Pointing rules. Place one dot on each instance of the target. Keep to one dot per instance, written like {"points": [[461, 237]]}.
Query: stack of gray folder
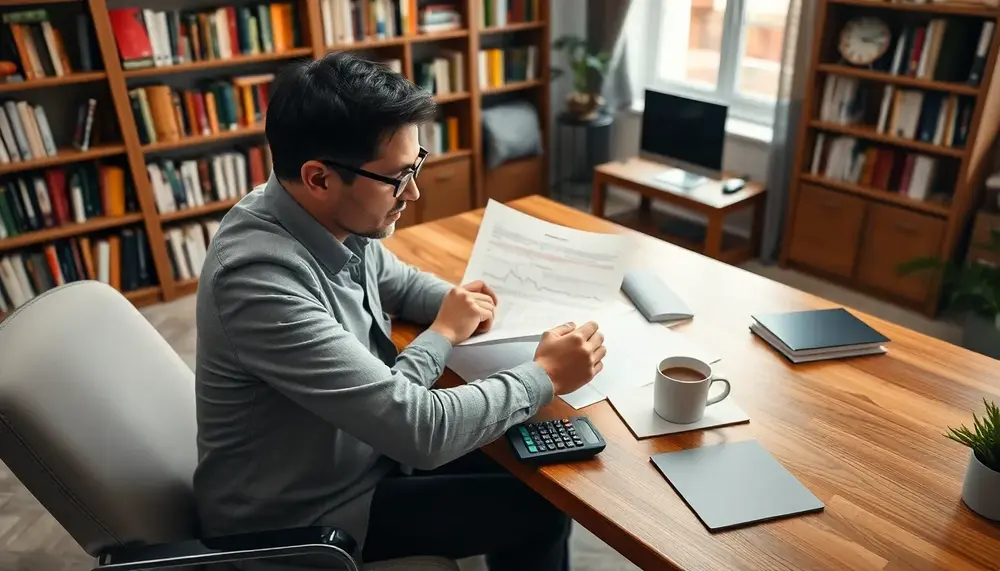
{"points": [[654, 300]]}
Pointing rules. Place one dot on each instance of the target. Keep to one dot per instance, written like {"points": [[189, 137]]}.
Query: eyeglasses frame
{"points": [[398, 183]]}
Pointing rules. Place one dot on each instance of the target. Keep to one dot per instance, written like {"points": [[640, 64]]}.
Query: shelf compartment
{"points": [[516, 27], [144, 296], [209, 208], [871, 135], [902, 80], [68, 231], [234, 61], [204, 139], [881, 195], [42, 83], [65, 156], [515, 86], [449, 35], [957, 9]]}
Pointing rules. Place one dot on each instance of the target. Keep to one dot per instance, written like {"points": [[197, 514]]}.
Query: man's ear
{"points": [[318, 178]]}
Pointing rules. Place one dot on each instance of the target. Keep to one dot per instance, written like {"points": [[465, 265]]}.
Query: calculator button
{"points": [[532, 449], [560, 445], [542, 448], [578, 442], [529, 441]]}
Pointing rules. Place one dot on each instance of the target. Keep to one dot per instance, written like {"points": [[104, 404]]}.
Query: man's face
{"points": [[367, 207]]}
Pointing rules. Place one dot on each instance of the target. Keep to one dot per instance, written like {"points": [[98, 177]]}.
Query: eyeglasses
{"points": [[398, 184]]}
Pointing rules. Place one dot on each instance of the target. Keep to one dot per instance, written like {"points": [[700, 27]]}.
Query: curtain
{"points": [[605, 23], [787, 116]]}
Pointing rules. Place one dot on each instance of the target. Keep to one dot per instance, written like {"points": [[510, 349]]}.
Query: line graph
{"points": [[515, 281]]}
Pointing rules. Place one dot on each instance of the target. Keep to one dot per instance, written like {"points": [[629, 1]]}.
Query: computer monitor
{"points": [[685, 133]]}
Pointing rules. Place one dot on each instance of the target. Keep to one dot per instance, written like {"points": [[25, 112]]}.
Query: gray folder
{"points": [[653, 298], [733, 484]]}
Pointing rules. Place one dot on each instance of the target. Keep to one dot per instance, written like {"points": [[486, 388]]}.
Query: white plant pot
{"points": [[981, 489]]}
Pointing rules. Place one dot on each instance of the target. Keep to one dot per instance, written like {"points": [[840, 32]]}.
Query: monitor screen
{"points": [[684, 129]]}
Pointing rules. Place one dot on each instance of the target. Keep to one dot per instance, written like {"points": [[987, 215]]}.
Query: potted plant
{"points": [[588, 70], [973, 290], [981, 488]]}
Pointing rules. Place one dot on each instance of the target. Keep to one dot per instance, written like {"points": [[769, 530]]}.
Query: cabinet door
{"points": [[515, 179], [445, 189], [826, 231], [894, 236]]}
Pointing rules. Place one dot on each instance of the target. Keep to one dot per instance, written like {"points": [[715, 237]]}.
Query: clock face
{"points": [[864, 40]]}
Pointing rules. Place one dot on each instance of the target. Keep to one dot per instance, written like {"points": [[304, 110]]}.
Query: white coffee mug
{"points": [[683, 400]]}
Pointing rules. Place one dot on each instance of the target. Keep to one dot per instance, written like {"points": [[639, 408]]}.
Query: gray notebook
{"points": [[651, 296], [734, 484]]}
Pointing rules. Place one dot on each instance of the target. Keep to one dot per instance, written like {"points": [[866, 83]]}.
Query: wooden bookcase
{"points": [[857, 229], [451, 182]]}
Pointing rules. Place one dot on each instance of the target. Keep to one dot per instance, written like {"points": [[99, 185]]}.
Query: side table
{"points": [[576, 170], [712, 240]]}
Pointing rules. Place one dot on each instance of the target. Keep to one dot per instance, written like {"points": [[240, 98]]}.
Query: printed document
{"points": [[635, 348], [545, 274]]}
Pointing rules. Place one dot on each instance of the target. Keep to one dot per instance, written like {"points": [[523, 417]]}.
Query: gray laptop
{"points": [[734, 484]]}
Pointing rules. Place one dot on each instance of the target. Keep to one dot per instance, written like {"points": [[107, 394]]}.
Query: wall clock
{"points": [[864, 40]]}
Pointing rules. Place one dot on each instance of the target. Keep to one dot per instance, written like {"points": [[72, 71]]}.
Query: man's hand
{"points": [[571, 356], [464, 311]]}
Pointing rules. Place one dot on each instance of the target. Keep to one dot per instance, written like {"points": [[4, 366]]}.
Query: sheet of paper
{"points": [[544, 274], [635, 347]]}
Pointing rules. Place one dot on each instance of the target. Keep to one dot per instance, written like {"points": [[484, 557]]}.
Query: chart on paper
{"points": [[544, 274], [544, 262], [548, 270]]}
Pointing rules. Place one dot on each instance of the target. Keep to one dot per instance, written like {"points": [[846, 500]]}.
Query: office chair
{"points": [[97, 420]]}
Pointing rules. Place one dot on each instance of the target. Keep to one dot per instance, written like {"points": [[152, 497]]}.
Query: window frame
{"points": [[744, 107]]}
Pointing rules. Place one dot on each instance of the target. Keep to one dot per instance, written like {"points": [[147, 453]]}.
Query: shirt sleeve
{"points": [[405, 291], [284, 336]]}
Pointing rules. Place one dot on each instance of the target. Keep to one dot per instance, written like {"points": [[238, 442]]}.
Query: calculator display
{"points": [[588, 434]]}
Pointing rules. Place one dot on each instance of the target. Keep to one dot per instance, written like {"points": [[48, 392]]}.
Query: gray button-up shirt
{"points": [[303, 402]]}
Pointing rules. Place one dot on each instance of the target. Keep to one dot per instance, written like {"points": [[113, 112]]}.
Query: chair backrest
{"points": [[97, 417]]}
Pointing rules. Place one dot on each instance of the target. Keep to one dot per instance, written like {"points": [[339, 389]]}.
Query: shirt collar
{"points": [[330, 251]]}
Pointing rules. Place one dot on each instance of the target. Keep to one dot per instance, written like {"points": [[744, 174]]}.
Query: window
{"points": [[728, 51]]}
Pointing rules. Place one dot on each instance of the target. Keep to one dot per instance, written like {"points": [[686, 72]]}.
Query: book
{"points": [[816, 335]]}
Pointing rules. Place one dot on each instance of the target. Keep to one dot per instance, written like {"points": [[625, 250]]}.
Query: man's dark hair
{"points": [[340, 107]]}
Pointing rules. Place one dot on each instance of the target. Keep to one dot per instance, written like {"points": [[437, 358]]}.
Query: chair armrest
{"points": [[316, 540]]}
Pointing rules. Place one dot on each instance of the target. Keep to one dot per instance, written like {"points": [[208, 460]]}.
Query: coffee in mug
{"points": [[681, 389]]}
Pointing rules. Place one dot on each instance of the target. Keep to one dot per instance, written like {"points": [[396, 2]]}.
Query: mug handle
{"points": [[724, 394]]}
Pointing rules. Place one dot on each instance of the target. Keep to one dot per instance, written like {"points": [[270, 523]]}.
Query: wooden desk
{"points": [[865, 435], [708, 200]]}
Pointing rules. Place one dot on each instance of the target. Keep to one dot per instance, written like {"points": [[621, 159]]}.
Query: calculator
{"points": [[552, 441]]}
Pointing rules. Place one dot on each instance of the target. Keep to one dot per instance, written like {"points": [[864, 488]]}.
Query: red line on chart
{"points": [[527, 251]]}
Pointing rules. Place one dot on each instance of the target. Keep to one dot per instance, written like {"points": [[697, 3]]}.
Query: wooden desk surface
{"points": [[638, 173], [865, 435]]}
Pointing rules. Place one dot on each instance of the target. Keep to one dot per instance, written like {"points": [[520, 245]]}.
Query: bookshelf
{"points": [[170, 153], [893, 147]]}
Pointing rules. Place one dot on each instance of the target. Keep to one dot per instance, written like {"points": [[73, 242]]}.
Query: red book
{"points": [[234, 36], [56, 180], [132, 39]]}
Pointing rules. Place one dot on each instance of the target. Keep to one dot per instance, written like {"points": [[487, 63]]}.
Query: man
{"points": [[307, 414]]}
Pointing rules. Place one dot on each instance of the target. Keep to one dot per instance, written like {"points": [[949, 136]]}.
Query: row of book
{"points": [[159, 38], [499, 66], [502, 12], [36, 48], [349, 21], [443, 74], [180, 185], [163, 113], [121, 260], [187, 247], [847, 159], [942, 49], [914, 114], [440, 136], [25, 131], [64, 195]]}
